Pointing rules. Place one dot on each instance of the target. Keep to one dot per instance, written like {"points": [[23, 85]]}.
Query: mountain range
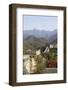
{"points": [[39, 33], [34, 39]]}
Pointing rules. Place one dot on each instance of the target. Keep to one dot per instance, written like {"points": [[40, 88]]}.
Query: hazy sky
{"points": [[40, 22]]}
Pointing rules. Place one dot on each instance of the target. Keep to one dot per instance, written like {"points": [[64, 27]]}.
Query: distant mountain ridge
{"points": [[39, 33], [34, 39]]}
